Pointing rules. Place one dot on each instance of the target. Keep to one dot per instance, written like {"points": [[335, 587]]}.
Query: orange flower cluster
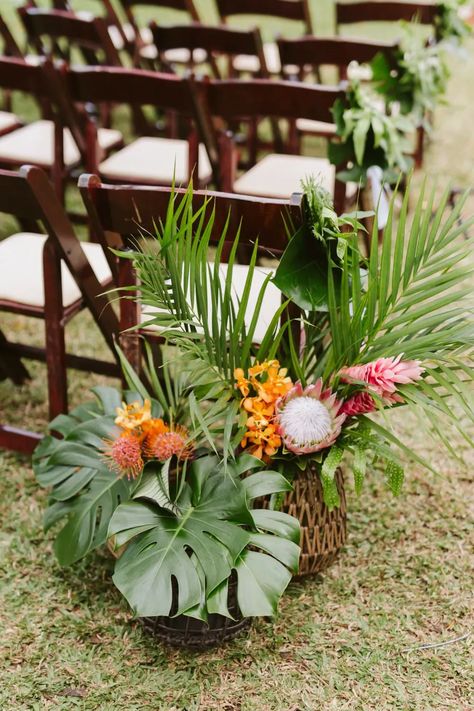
{"points": [[265, 384], [144, 437]]}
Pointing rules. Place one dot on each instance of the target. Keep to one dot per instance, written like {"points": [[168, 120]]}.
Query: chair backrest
{"points": [[334, 51], [10, 47], [89, 35], [138, 88], [286, 9], [18, 75], [386, 11], [183, 6], [223, 41], [234, 99], [29, 196], [122, 212]]}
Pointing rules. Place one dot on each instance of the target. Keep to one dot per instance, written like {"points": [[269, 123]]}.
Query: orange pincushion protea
{"points": [[168, 443], [124, 455]]}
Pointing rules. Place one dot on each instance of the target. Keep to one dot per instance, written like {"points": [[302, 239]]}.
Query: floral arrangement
{"points": [[415, 81], [174, 475], [451, 28], [368, 136]]}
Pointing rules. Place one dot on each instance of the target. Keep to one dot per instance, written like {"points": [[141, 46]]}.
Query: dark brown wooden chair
{"points": [[44, 142], [306, 57], [9, 48], [289, 10], [277, 175], [424, 13], [149, 159], [141, 38], [54, 33], [46, 273], [216, 42], [119, 213]]}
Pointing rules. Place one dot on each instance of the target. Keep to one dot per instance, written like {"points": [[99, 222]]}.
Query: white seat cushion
{"points": [[250, 64], [8, 121], [180, 55], [278, 176], [21, 270], [154, 160], [320, 127], [271, 301], [34, 143]]}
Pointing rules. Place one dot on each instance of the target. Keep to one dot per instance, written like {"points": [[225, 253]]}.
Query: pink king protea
{"points": [[383, 375], [308, 419]]}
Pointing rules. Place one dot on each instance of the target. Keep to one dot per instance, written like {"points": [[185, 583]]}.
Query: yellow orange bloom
{"points": [[133, 415]]}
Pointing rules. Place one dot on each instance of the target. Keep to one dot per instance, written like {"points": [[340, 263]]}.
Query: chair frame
{"points": [[234, 100], [138, 87], [29, 196], [118, 212], [385, 11]]}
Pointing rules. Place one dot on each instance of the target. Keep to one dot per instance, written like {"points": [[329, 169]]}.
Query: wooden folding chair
{"points": [[152, 160], [305, 58], [10, 48], [142, 38], [54, 33], [217, 43], [120, 213], [46, 273], [277, 175], [290, 10], [44, 142]]}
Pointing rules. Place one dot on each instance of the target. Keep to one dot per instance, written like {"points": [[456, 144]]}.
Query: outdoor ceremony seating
{"points": [[277, 175], [44, 142], [217, 42], [121, 213], [295, 11], [47, 273], [149, 159], [314, 54], [142, 39]]}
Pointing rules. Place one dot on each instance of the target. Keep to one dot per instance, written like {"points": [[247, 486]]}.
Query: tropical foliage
{"points": [[368, 137], [415, 80], [451, 27]]}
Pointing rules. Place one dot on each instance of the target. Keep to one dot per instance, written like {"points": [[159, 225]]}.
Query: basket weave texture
{"points": [[323, 532], [183, 631]]}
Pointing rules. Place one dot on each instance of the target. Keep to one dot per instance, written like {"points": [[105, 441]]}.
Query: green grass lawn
{"points": [[353, 639]]}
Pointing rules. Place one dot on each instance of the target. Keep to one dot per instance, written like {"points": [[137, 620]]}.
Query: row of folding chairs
{"points": [[137, 38], [48, 274]]}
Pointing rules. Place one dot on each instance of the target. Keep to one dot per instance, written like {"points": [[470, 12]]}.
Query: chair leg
{"points": [[54, 332]]}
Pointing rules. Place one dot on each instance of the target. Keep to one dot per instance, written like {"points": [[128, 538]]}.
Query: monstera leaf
{"points": [[199, 545], [84, 490]]}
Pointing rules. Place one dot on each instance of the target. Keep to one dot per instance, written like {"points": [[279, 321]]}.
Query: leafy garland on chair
{"points": [[416, 78], [451, 27], [368, 137]]}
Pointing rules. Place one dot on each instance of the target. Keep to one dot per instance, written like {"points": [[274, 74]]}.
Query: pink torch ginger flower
{"points": [[383, 375], [308, 419], [358, 404]]}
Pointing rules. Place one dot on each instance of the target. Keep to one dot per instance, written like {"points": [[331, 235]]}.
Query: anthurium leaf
{"points": [[278, 522], [89, 516], [261, 581], [265, 483], [302, 272]]}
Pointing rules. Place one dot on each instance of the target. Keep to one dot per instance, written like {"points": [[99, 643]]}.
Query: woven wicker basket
{"points": [[183, 631], [323, 532]]}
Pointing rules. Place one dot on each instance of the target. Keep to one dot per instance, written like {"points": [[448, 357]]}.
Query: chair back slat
{"points": [[288, 9], [386, 11], [10, 45], [129, 211], [18, 75], [333, 51], [232, 99], [186, 6]]}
